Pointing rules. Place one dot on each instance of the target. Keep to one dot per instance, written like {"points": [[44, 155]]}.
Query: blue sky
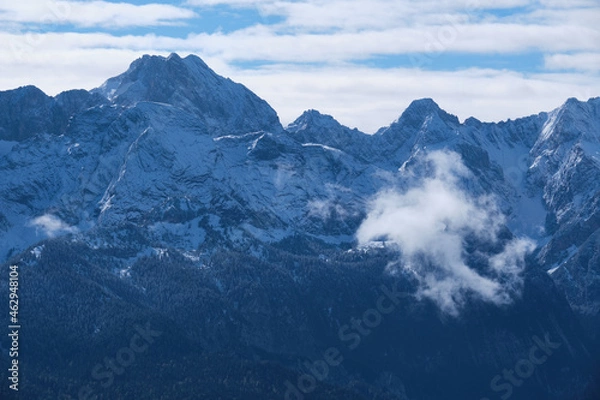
{"points": [[360, 61]]}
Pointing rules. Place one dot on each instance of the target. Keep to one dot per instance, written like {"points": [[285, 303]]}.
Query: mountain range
{"points": [[174, 198]]}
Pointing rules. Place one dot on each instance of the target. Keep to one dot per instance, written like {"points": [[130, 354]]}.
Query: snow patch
{"points": [[124, 273], [553, 270], [37, 251], [236, 137], [161, 253], [324, 147], [548, 127], [71, 147]]}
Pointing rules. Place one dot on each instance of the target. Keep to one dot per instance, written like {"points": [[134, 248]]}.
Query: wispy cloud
{"points": [[331, 205], [353, 15], [52, 226], [430, 224], [578, 61], [356, 60], [368, 97], [360, 14], [264, 43], [324, 209], [36, 13]]}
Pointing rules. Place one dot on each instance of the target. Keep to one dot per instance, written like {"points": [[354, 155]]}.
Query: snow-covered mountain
{"points": [[170, 158]]}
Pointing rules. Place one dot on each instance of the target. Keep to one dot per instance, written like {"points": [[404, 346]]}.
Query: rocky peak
{"points": [[422, 123], [314, 127], [420, 110], [189, 84], [26, 112], [311, 120]]}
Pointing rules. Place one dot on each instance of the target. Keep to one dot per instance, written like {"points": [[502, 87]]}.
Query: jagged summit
{"points": [[314, 127], [221, 105], [426, 103], [313, 119], [419, 110], [423, 122], [416, 114], [565, 124], [150, 78], [189, 84]]}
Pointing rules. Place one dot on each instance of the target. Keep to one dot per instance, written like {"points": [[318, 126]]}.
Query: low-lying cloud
{"points": [[431, 223], [52, 226], [330, 206]]}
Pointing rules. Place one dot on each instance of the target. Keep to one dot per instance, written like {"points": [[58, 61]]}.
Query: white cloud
{"points": [[91, 13], [324, 209], [326, 7], [353, 15], [578, 61], [264, 43], [430, 223], [358, 96], [583, 17], [52, 226], [369, 98], [331, 205], [231, 3], [510, 259], [569, 3], [309, 58]]}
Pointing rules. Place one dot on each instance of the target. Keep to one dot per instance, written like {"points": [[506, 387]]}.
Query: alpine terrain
{"points": [[170, 239]]}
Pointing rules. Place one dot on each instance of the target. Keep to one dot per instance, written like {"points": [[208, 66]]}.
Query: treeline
{"points": [[235, 325]]}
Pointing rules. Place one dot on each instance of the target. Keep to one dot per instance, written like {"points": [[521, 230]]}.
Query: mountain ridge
{"points": [[167, 66], [176, 194]]}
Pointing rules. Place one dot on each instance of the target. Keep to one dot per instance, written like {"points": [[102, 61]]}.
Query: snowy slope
{"points": [[189, 159]]}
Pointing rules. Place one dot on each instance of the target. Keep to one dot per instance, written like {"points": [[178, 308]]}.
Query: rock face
{"points": [[174, 197], [190, 85], [27, 111]]}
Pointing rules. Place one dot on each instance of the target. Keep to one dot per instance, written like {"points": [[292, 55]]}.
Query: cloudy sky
{"points": [[360, 61]]}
